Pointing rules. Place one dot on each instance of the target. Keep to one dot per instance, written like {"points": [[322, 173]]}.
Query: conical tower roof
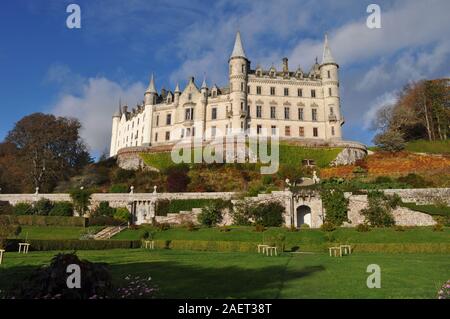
{"points": [[327, 56], [238, 50], [151, 87]]}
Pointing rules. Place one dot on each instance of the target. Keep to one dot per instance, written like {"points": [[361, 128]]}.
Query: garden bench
{"points": [[25, 247], [262, 247], [149, 244], [334, 251], [271, 250], [346, 249], [1, 255]]}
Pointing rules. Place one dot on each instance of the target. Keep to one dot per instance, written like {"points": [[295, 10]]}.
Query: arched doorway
{"points": [[303, 215]]}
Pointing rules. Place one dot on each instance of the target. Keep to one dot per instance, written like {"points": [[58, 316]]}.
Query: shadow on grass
{"points": [[175, 280]]}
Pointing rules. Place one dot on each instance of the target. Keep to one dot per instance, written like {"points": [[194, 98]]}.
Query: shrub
{"points": [[146, 235], [438, 227], [328, 227], [50, 282], [123, 175], [6, 231], [379, 211], [163, 226], [43, 207], [103, 209], [224, 229], [292, 172], [269, 214], [34, 220], [242, 213], [293, 228], [304, 226], [23, 209], [190, 226], [399, 228], [414, 180], [383, 180], [212, 214], [177, 178], [390, 141], [6, 208], [122, 214], [335, 205], [362, 228], [118, 188], [62, 209]]}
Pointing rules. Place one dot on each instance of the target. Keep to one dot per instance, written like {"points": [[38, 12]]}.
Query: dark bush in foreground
{"points": [[62, 209], [50, 282]]}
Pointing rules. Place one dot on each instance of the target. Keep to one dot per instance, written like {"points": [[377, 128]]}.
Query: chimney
{"points": [[285, 65], [124, 109]]}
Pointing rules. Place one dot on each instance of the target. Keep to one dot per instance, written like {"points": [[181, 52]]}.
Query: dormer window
{"points": [[272, 73], [258, 72]]}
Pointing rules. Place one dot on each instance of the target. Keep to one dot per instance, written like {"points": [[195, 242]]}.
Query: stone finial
{"points": [[131, 189], [154, 189], [37, 191]]}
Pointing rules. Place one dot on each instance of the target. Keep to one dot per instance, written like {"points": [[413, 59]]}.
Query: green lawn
{"points": [[188, 274], [433, 147], [54, 232], [289, 154]]}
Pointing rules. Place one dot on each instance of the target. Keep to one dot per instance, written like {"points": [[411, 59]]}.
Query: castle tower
{"points": [[177, 94], [330, 80], [114, 131], [238, 74], [204, 103], [151, 93]]}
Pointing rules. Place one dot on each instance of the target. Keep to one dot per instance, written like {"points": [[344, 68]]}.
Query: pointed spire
{"points": [[238, 50], [151, 87], [177, 89], [204, 86], [327, 57]]}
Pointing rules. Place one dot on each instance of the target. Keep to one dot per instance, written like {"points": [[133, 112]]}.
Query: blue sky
{"points": [[44, 66]]}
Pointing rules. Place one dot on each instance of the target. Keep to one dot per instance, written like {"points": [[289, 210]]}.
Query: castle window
{"points": [[138, 122], [193, 131], [188, 132], [300, 92], [329, 74], [331, 110], [242, 86], [272, 90], [314, 114], [248, 89], [167, 135], [243, 68], [182, 133], [287, 131], [329, 91], [168, 119], [332, 130], [258, 90], [313, 93], [213, 131], [137, 135], [273, 114], [189, 114], [286, 113], [157, 120], [214, 93], [156, 137], [213, 113], [242, 106], [258, 111], [189, 96], [258, 129], [301, 131], [286, 91], [300, 114], [273, 130], [315, 132]]}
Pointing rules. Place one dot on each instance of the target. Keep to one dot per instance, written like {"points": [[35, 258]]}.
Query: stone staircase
{"points": [[108, 232]]}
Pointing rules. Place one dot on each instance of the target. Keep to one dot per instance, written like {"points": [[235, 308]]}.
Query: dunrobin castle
{"points": [[289, 103]]}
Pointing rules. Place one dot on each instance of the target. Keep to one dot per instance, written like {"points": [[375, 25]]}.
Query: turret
{"points": [[151, 93], [114, 131], [177, 94], [330, 81], [238, 74]]}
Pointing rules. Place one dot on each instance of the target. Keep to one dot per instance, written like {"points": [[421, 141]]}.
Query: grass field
{"points": [[432, 147], [188, 274], [54, 232]]}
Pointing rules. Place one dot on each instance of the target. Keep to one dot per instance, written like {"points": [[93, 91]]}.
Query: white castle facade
{"points": [[289, 104]]}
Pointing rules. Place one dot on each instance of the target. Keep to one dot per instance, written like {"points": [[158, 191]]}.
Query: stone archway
{"points": [[303, 215]]}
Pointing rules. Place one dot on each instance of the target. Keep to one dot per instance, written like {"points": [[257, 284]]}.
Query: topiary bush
{"points": [[62, 209], [212, 214]]}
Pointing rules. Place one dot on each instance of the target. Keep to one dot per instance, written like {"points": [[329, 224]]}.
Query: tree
{"points": [[81, 200], [379, 210], [391, 141], [49, 147], [335, 205]]}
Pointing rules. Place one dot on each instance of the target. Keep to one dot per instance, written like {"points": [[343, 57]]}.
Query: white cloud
{"points": [[388, 98], [94, 107]]}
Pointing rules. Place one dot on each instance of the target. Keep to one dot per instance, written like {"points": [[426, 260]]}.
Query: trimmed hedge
{"points": [[165, 206], [35, 220], [73, 244]]}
